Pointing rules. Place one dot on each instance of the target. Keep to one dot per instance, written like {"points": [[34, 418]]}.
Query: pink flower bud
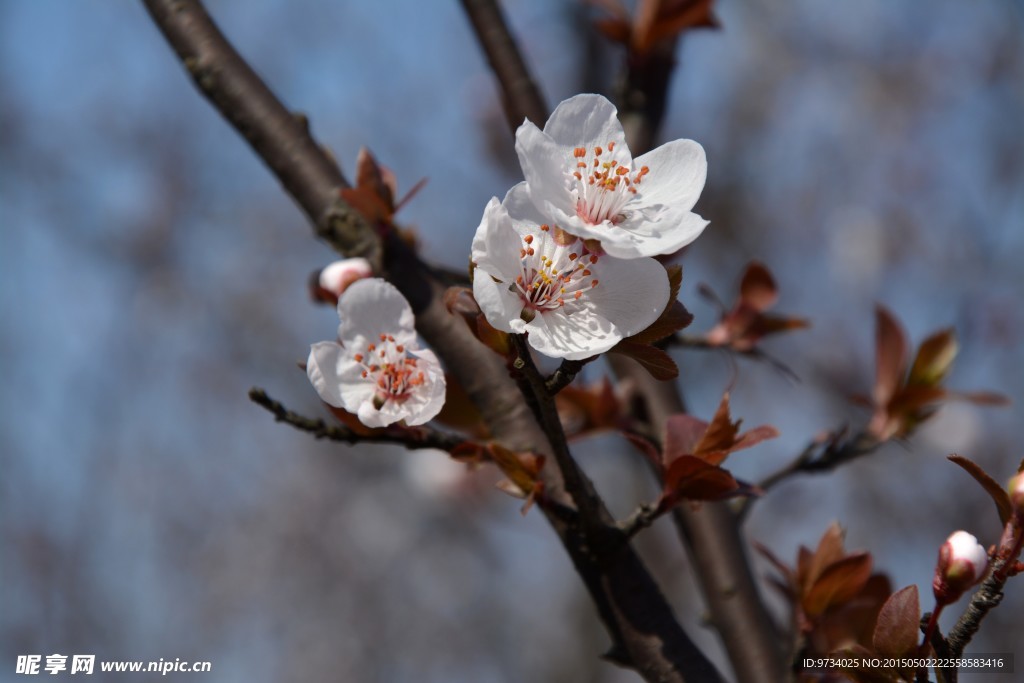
{"points": [[329, 283], [1017, 493], [962, 564]]}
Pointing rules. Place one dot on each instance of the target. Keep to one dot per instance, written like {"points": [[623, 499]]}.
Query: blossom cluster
{"points": [[566, 256]]}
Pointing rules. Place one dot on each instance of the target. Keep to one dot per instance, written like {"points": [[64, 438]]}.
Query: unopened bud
{"points": [[329, 283], [1017, 493], [962, 564]]}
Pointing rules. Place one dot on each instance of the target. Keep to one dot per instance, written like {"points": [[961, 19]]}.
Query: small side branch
{"points": [[564, 375], [641, 518], [520, 95], [411, 438], [819, 456], [541, 402]]}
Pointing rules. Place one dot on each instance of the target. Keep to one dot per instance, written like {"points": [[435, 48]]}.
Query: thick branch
{"points": [[711, 532], [644, 631], [519, 92], [412, 437]]}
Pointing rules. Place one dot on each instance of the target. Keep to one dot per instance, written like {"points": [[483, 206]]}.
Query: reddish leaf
{"points": [[682, 432], [368, 203], [897, 625], [695, 14], [585, 409], [909, 400], [675, 280], [721, 433], [758, 289], [839, 582], [996, 492], [934, 358], [693, 479], [754, 437], [674, 318], [658, 363], [829, 551], [372, 177], [890, 356]]}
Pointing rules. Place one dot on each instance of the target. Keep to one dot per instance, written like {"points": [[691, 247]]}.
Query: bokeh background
{"points": [[152, 271]]}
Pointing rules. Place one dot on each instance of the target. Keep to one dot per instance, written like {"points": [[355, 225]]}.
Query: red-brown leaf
{"points": [[838, 583], [655, 361], [996, 492], [691, 478], [890, 356], [721, 433], [682, 432], [757, 288], [897, 625]]}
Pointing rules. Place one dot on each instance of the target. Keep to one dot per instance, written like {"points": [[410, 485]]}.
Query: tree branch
{"points": [[645, 633], [711, 532], [564, 375], [519, 92], [410, 437]]}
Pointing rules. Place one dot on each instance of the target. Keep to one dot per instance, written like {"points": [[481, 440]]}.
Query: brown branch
{"points": [[645, 633], [641, 518], [711, 533], [818, 457], [410, 437], [519, 92], [564, 375]]}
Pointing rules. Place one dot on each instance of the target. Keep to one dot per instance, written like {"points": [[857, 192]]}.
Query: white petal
{"points": [[372, 307], [587, 121], [336, 376], [545, 164], [666, 234], [429, 397], [371, 417], [500, 306], [496, 244], [631, 294], [574, 337], [678, 171]]}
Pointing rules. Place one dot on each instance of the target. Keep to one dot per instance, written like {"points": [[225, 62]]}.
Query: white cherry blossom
{"points": [[532, 277], [579, 172], [376, 370]]}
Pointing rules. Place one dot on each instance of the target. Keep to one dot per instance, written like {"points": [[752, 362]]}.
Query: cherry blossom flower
{"points": [[962, 563], [533, 277], [377, 370], [580, 173]]}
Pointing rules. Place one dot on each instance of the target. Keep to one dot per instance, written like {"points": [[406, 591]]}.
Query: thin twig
{"points": [[410, 437], [534, 388], [711, 534], [641, 518], [818, 457], [564, 375], [519, 91]]}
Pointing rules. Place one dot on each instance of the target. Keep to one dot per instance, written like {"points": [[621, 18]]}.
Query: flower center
{"points": [[600, 187], [553, 272], [393, 371]]}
